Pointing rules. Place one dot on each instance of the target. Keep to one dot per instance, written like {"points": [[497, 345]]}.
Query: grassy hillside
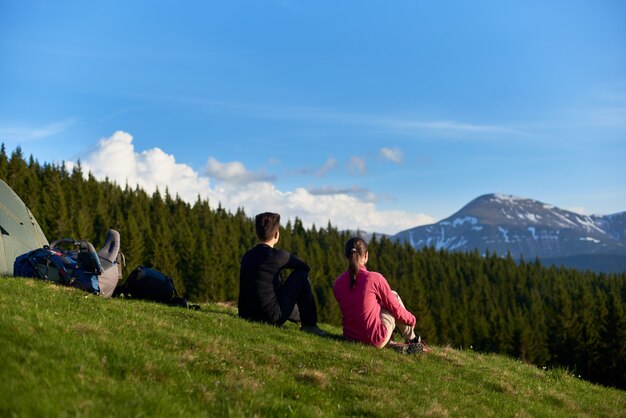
{"points": [[65, 353]]}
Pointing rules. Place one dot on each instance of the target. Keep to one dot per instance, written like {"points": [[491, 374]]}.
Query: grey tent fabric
{"points": [[109, 255], [19, 230]]}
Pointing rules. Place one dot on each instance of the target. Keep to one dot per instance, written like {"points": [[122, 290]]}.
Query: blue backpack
{"points": [[81, 267]]}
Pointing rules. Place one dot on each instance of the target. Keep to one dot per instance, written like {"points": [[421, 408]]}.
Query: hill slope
{"points": [[528, 228], [67, 353]]}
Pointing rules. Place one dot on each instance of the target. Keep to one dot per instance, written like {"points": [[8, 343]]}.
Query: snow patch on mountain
{"points": [[507, 198], [460, 221], [505, 233], [566, 221], [589, 224], [530, 216]]}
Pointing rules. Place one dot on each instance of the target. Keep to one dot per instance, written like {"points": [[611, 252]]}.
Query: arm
{"points": [[290, 261], [391, 303]]}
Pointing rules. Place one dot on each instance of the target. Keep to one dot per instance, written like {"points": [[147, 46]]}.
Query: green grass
{"points": [[66, 353]]}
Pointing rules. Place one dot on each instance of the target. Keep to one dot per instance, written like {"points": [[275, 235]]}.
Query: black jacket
{"points": [[259, 281]]}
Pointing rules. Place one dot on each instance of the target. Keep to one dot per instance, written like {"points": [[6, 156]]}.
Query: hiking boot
{"points": [[313, 329], [415, 348], [406, 348], [418, 340]]}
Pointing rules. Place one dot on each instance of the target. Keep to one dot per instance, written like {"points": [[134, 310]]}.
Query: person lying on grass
{"points": [[262, 296], [370, 309]]}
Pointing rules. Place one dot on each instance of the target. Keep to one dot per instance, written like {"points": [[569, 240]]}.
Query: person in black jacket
{"points": [[262, 295]]}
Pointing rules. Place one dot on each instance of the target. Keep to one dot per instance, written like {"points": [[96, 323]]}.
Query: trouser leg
{"points": [[390, 324], [297, 291], [407, 331]]}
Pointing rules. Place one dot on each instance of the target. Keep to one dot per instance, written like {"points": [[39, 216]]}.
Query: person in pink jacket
{"points": [[370, 309]]}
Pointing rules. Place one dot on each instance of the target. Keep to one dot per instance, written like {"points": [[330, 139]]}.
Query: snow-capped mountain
{"points": [[524, 227]]}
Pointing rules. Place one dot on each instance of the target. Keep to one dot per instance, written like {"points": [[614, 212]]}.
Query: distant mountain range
{"points": [[528, 229]]}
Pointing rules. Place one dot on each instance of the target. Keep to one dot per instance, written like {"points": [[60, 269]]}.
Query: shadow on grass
{"points": [[230, 310]]}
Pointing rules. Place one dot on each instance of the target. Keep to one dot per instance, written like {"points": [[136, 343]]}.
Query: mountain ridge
{"points": [[525, 228]]}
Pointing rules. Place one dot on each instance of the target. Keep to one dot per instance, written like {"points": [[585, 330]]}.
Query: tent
{"points": [[19, 230]]}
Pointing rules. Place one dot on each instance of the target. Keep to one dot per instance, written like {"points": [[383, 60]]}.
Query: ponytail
{"points": [[353, 267], [355, 250]]}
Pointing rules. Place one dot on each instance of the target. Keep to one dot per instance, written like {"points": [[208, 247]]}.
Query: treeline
{"points": [[543, 315]]}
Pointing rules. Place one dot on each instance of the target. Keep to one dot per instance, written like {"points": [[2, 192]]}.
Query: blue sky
{"points": [[375, 115]]}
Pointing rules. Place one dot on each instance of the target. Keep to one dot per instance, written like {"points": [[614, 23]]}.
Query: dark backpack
{"points": [[148, 284]]}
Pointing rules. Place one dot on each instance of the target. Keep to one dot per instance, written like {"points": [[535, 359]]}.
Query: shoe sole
{"points": [[413, 348]]}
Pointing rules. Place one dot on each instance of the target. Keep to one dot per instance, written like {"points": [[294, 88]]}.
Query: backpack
{"points": [[82, 267], [148, 284], [47, 264], [77, 268]]}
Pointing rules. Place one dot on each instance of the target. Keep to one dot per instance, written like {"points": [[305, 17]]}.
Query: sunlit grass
{"points": [[65, 353]]}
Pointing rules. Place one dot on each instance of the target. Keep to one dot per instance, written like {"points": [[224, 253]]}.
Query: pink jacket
{"points": [[361, 306]]}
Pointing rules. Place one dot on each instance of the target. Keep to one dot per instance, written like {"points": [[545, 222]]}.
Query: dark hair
{"points": [[356, 249], [266, 225]]}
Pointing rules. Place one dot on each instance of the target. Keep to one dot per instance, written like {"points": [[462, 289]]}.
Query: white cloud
{"points": [[330, 164], [357, 165], [365, 195], [19, 132], [609, 117], [233, 172], [392, 154], [451, 128], [445, 126], [116, 158]]}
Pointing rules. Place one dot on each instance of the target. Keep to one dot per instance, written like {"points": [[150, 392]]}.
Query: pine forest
{"points": [[547, 316]]}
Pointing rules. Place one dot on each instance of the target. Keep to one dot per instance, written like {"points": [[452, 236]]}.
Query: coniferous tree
{"points": [[17, 173], [133, 243], [613, 368], [538, 351], [55, 209], [4, 163]]}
